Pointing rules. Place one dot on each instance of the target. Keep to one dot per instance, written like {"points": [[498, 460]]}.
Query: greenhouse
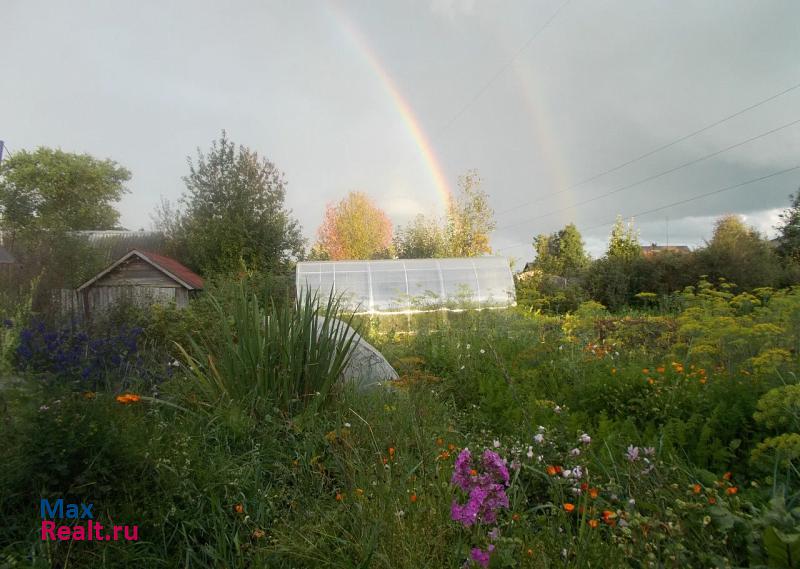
{"points": [[410, 285]]}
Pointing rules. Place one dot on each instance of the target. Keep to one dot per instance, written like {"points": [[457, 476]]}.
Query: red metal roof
{"points": [[174, 267]]}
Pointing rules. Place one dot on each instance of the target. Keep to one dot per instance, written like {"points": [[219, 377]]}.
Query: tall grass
{"points": [[290, 354]]}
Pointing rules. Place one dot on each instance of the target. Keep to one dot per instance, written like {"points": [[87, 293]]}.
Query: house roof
{"points": [[170, 267], [658, 248]]}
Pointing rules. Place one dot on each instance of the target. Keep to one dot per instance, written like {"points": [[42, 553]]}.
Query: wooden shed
{"points": [[141, 277]]}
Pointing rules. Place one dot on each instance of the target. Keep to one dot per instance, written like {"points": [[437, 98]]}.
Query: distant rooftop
{"points": [[653, 249]]}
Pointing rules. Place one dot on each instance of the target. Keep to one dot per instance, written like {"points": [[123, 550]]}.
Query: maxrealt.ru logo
{"points": [[78, 524]]}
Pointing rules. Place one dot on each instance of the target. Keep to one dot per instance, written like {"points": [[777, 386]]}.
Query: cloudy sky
{"points": [[398, 99]]}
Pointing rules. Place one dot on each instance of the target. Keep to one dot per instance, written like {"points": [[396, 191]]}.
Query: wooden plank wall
{"points": [[71, 303]]}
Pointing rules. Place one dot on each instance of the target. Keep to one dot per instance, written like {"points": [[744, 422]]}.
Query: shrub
{"points": [[289, 355]]}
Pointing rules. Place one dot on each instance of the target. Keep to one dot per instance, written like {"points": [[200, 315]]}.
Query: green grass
{"points": [[230, 472]]}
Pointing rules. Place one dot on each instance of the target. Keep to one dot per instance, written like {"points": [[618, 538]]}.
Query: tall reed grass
{"points": [[290, 354]]}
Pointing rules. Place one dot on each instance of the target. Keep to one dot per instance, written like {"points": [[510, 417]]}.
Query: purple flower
{"points": [[482, 557], [485, 489], [632, 454]]}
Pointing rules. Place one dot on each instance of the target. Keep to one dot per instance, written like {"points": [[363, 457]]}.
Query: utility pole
{"points": [[2, 146], [667, 232]]}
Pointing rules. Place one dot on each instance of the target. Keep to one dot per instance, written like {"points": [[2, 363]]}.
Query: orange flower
{"points": [[126, 398], [650, 380], [661, 369], [569, 507], [696, 488], [258, 533], [238, 508], [609, 517], [515, 517], [593, 493], [529, 552], [391, 453], [451, 447], [339, 497], [473, 472], [413, 498], [731, 491], [439, 442], [645, 371], [702, 380], [593, 523], [444, 454], [712, 500], [727, 476]]}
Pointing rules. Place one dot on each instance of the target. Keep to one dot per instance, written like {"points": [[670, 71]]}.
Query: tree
{"points": [[422, 238], [789, 230], [624, 241], [739, 254], [355, 228], [470, 219], [546, 248], [56, 190], [234, 212], [561, 253]]}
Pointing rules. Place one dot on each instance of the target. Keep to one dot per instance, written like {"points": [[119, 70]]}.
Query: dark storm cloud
{"points": [[145, 83]]}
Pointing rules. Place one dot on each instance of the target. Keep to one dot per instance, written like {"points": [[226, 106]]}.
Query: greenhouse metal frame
{"points": [[411, 285]]}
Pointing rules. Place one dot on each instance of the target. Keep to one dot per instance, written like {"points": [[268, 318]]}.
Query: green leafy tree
{"points": [[561, 253], [56, 190], [789, 230], [547, 259], [470, 219], [234, 212], [571, 250], [422, 238], [354, 228], [740, 254], [624, 241]]}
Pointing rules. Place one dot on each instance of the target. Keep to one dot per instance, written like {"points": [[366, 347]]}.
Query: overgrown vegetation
{"points": [[629, 440]]}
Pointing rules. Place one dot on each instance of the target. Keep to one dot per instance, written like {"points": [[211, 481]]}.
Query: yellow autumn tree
{"points": [[354, 228]]}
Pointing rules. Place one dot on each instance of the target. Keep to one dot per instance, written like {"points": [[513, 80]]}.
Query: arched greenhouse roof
{"points": [[404, 285]]}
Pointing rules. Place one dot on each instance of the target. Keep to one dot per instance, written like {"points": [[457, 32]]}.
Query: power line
{"points": [[654, 176], [657, 150], [681, 202], [499, 72]]}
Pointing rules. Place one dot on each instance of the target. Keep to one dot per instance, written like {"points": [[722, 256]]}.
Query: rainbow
{"points": [[410, 119], [544, 133]]}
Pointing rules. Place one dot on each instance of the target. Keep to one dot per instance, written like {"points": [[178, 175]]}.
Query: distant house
{"points": [[649, 250], [141, 277]]}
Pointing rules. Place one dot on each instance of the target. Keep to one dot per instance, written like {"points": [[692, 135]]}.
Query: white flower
{"points": [[566, 473], [541, 429], [585, 439], [399, 513], [462, 367], [631, 502], [483, 351], [577, 472], [496, 444], [468, 346], [539, 438], [575, 452], [347, 425], [44, 408], [557, 409], [529, 454]]}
